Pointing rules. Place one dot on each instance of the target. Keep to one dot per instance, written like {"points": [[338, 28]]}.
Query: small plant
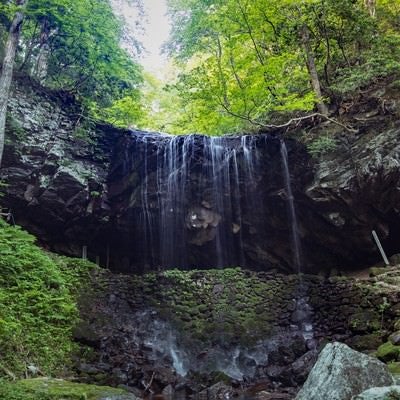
{"points": [[322, 145], [382, 308], [95, 194]]}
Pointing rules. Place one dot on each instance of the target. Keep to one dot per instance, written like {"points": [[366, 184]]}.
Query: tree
{"points": [[244, 62], [8, 67], [72, 46]]}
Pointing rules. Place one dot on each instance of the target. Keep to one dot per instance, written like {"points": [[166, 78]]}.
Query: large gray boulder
{"points": [[380, 393], [341, 373]]}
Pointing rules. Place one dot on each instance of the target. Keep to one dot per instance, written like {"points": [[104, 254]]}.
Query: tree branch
{"points": [[299, 119]]}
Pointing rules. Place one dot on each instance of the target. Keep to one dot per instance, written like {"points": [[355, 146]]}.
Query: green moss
{"points": [[394, 368], [217, 305], [37, 304], [57, 389], [388, 352]]}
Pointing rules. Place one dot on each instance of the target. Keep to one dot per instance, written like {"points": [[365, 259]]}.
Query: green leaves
{"points": [[75, 46], [240, 62]]}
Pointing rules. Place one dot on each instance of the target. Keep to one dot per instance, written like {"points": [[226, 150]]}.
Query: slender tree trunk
{"points": [[41, 65], [8, 69], [312, 69], [371, 7]]}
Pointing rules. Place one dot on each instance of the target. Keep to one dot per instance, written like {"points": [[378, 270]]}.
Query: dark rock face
{"points": [[56, 180], [110, 192]]}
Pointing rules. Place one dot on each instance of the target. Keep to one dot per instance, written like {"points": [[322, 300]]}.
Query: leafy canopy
{"points": [[75, 46], [241, 63]]}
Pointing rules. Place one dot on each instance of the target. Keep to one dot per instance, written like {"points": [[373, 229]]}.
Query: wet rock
{"points": [[168, 393], [264, 395], [341, 373], [85, 334], [303, 365], [366, 342], [219, 391], [394, 338]]}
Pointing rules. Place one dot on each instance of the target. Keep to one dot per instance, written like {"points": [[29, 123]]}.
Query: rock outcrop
{"points": [[341, 373], [76, 184]]}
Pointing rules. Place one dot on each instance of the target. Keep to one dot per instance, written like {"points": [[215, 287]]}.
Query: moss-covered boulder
{"points": [[388, 352], [365, 321], [58, 389], [370, 341]]}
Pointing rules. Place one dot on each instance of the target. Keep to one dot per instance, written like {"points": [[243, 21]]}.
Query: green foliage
{"points": [[238, 63], [37, 304], [56, 389], [75, 46], [321, 145]]}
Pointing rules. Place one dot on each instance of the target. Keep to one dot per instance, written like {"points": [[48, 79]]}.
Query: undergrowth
{"points": [[38, 307]]}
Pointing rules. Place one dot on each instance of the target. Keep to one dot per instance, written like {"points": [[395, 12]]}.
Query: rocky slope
{"points": [[76, 184]]}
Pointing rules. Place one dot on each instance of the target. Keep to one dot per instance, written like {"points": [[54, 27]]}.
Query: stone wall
{"points": [[234, 323]]}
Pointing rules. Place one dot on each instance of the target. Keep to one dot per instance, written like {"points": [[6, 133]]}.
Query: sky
{"points": [[156, 31]]}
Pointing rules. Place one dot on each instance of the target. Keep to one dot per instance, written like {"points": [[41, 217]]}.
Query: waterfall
{"points": [[201, 203], [292, 210], [303, 311], [193, 191]]}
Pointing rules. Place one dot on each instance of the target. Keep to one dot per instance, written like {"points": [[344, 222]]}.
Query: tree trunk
{"points": [[312, 69], [8, 69], [371, 7], [41, 65]]}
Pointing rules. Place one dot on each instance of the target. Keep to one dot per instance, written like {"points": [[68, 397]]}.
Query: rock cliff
{"points": [[74, 183]]}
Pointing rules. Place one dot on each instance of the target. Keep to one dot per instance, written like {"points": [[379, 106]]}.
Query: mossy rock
{"points": [[58, 389], [366, 342], [376, 271], [394, 368], [365, 321], [388, 352]]}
